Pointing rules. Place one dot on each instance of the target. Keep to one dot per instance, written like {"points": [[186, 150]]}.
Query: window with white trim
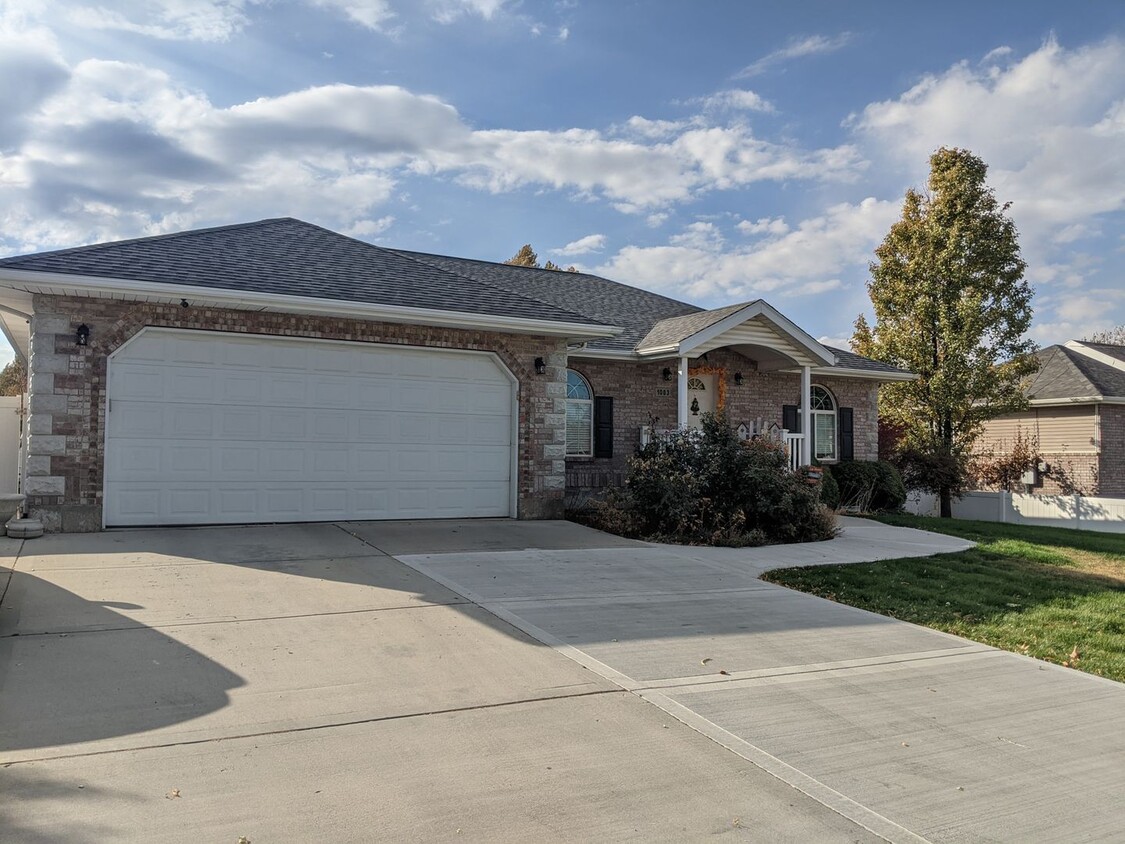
{"points": [[823, 408], [579, 416]]}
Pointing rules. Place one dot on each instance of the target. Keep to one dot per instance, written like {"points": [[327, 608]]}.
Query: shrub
{"points": [[829, 490], [710, 487], [869, 485]]}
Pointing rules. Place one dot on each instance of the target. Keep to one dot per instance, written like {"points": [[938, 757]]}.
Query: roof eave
{"points": [[66, 284], [1062, 402], [869, 374]]}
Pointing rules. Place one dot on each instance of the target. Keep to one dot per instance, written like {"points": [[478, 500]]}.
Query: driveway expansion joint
{"points": [[250, 620], [314, 727]]}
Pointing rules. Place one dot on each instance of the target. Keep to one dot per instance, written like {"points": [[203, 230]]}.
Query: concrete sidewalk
{"points": [[911, 733]]}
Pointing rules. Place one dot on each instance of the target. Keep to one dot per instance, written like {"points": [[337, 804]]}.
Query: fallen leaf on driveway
{"points": [[173, 794], [704, 661], [724, 671]]}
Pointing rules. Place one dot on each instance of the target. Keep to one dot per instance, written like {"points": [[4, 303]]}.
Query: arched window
{"points": [[579, 416], [823, 408]]}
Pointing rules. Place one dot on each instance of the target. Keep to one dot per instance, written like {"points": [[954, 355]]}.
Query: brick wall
{"points": [[1111, 464], [634, 388], [64, 468]]}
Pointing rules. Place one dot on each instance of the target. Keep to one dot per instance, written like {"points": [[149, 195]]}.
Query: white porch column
{"points": [[806, 416], [681, 394]]}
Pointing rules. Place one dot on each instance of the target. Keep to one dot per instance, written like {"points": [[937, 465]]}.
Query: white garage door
{"points": [[207, 428]]}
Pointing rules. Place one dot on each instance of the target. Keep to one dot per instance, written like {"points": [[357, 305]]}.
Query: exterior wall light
{"points": [[82, 335], [540, 366], [184, 303], [666, 373], [738, 378]]}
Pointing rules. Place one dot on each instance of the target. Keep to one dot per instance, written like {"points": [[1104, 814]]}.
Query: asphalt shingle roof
{"points": [[674, 329], [294, 258], [1067, 374], [291, 257], [633, 309]]}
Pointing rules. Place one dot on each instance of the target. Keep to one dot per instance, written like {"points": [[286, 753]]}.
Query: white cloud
{"points": [[1051, 127], [735, 99], [447, 11], [582, 246], [107, 148], [810, 45], [773, 226], [373, 14], [194, 20], [806, 260]]}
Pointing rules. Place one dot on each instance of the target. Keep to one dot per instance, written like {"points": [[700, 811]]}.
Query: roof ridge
{"points": [[410, 256], [410, 252], [93, 247]]}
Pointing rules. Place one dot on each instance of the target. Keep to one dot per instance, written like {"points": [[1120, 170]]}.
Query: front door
{"points": [[700, 398]]}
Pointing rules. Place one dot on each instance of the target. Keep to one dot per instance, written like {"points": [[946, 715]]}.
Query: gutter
{"points": [[63, 284]]}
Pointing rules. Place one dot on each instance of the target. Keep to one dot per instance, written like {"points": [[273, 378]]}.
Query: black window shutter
{"points": [[790, 419], [603, 426], [847, 440]]}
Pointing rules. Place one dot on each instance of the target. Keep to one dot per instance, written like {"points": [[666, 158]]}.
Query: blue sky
{"points": [[712, 151]]}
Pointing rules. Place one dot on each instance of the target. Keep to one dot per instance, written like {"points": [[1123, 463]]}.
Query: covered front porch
{"points": [[761, 340]]}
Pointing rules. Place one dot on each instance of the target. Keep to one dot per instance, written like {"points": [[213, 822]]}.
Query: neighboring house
{"points": [[277, 371], [1076, 418]]}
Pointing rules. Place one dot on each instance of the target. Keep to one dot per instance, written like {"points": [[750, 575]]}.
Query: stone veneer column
{"points": [[45, 489]]}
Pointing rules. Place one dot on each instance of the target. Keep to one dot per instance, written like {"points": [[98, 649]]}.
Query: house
{"points": [[276, 371], [1076, 418]]}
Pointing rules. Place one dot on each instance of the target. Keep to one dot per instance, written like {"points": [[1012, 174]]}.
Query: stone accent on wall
{"points": [[65, 455], [634, 388]]}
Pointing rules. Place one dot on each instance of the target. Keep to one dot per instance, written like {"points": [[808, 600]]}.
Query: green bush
{"points": [[870, 485], [829, 490], [710, 487]]}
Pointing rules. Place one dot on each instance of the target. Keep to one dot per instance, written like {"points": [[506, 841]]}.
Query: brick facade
{"points": [[636, 402], [1111, 460], [65, 450]]}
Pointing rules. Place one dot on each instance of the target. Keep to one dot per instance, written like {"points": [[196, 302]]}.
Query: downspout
{"points": [[681, 394]]}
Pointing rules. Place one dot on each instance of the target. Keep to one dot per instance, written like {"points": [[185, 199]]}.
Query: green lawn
{"points": [[1050, 593]]}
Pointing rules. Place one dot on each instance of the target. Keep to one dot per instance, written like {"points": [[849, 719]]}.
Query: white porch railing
{"points": [[793, 448], [792, 441]]}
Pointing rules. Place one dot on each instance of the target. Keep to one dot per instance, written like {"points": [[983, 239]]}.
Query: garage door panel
{"points": [[237, 461], [285, 389], [213, 428]]}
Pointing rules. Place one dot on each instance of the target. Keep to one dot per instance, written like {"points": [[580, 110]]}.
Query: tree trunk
{"points": [[946, 503]]}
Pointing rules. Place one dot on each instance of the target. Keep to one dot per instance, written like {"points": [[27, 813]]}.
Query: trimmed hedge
{"points": [[870, 485]]}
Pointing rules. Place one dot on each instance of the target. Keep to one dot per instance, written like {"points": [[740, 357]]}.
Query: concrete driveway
{"points": [[503, 680], [297, 683]]}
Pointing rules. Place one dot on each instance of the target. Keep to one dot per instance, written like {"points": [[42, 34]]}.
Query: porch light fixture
{"points": [[738, 379], [540, 366], [82, 335], [184, 303], [666, 373]]}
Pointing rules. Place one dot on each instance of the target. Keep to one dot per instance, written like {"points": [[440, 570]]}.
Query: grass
{"points": [[1051, 593]]}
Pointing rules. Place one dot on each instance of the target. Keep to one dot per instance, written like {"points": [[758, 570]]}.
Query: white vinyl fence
{"points": [[10, 418], [1073, 511]]}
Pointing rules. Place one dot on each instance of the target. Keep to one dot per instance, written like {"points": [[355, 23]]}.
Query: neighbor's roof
{"points": [[1067, 374], [290, 257]]}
